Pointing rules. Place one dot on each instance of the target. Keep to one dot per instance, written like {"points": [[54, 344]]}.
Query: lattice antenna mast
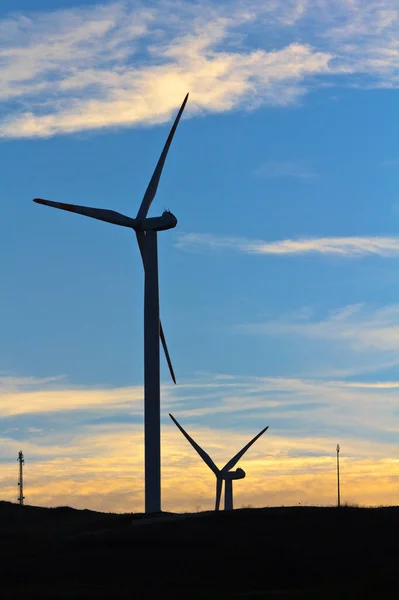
{"points": [[339, 490], [21, 461]]}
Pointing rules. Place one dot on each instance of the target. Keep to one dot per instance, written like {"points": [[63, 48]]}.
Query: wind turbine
{"points": [[146, 230], [222, 474]]}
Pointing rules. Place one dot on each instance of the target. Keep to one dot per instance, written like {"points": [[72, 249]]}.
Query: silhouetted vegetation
{"points": [[298, 552]]}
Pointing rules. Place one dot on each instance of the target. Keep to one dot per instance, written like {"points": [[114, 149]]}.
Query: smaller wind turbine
{"points": [[222, 474]]}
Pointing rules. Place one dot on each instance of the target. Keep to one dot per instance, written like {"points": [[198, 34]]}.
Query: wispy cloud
{"points": [[122, 63], [119, 64], [366, 35], [336, 246], [391, 162], [225, 400], [364, 331], [274, 169]]}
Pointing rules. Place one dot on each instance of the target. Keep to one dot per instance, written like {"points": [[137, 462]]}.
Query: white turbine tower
{"points": [[146, 232], [222, 474]]}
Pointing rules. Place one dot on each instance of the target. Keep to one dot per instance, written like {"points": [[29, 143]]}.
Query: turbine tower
{"points": [[338, 484], [21, 461], [222, 474], [146, 230]]}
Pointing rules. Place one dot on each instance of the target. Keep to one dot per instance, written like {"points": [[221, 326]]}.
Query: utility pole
{"points": [[339, 491], [21, 461]]}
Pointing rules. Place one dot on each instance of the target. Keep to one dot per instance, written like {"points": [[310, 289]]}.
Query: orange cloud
{"points": [[102, 469]]}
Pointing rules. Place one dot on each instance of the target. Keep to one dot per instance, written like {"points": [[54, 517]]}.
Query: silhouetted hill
{"points": [[298, 552]]}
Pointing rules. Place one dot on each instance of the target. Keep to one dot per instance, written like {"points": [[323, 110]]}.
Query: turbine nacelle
{"points": [[166, 221], [233, 475]]}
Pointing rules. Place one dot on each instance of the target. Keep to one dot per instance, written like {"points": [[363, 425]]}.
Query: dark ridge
{"points": [[282, 552]]}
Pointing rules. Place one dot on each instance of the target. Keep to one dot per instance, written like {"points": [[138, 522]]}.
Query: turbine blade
{"points": [[140, 240], [153, 185], [219, 483], [232, 462], [166, 351], [205, 457], [109, 216]]}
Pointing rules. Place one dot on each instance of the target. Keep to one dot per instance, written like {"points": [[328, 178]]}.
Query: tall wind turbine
{"points": [[146, 230], [222, 474]]}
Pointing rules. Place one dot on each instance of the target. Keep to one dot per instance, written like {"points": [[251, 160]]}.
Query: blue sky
{"points": [[278, 286]]}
